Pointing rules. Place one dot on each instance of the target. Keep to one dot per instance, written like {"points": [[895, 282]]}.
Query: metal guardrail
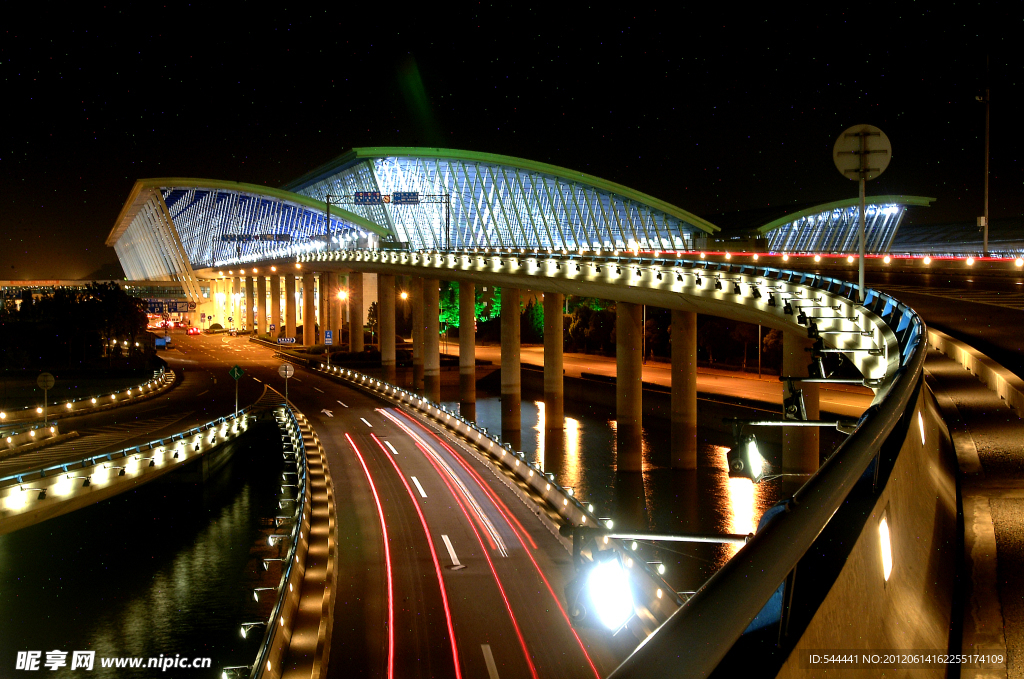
{"points": [[93, 460], [160, 380], [277, 635]]}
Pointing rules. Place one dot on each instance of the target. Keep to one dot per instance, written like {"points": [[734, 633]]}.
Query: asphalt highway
{"points": [[468, 583]]}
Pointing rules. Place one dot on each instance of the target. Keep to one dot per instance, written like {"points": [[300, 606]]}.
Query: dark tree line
{"points": [[93, 326]]}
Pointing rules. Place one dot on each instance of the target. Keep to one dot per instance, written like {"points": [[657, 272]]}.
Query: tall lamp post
{"points": [[985, 100]]}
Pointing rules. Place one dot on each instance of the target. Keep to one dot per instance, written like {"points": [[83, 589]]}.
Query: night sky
{"points": [[712, 112]]}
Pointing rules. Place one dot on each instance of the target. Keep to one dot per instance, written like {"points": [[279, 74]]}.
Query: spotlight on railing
{"points": [[235, 672], [256, 592], [249, 626], [274, 539]]}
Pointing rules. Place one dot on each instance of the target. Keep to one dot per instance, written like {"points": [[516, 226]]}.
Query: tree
{"points": [[371, 318], [745, 334], [533, 322]]}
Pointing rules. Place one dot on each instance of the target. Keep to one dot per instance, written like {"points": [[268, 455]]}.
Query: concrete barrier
{"points": [[1007, 385], [156, 385]]}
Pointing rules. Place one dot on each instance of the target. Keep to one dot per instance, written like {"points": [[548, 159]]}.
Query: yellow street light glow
{"points": [[68, 406], [887, 259], [970, 261], [342, 294], [1019, 261], [3, 416], [785, 257], [405, 295], [817, 258], [927, 260], [728, 255], [755, 257], [885, 541], [849, 259], [298, 265], [39, 411], [254, 269], [273, 268]]}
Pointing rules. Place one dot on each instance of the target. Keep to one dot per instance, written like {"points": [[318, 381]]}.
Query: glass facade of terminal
{"points": [[836, 231], [467, 203]]}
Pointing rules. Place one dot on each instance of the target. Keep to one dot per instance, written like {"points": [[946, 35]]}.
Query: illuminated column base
{"points": [[250, 310], [431, 341], [290, 311], [261, 305], [467, 350], [275, 306], [800, 448], [684, 389], [386, 318], [355, 311], [511, 378], [629, 386], [308, 310], [417, 333], [554, 389]]}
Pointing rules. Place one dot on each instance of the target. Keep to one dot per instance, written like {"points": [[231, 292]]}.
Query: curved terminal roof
{"points": [[472, 199], [172, 225], [833, 227]]}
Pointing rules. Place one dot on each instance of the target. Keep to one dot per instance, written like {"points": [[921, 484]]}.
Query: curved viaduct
{"points": [[482, 219]]}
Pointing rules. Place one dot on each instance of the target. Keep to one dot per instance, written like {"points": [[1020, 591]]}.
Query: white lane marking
{"points": [[258, 380], [343, 404], [451, 550], [203, 392], [366, 423], [423, 493], [320, 390], [393, 451], [296, 379], [492, 668]]}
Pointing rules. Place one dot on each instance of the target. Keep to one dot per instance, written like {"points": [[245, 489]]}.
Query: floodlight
{"points": [[248, 626], [608, 590], [744, 458]]}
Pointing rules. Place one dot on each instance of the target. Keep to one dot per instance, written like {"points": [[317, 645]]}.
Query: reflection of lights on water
{"points": [[541, 423], [741, 500], [571, 465]]}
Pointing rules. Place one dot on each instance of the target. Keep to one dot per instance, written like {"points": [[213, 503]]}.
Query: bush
{"points": [[216, 326]]}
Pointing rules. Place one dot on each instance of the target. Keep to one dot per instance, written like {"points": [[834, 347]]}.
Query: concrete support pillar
{"points": [[684, 389], [511, 378], [291, 320], [355, 310], [554, 392], [322, 301], [336, 306], [800, 448], [261, 305], [467, 350], [308, 310], [431, 340], [386, 316], [629, 386], [416, 292], [250, 304], [275, 306], [236, 307]]}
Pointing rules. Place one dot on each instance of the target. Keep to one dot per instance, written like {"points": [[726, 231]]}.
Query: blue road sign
{"points": [[406, 198], [328, 337], [286, 340], [367, 198], [273, 327]]}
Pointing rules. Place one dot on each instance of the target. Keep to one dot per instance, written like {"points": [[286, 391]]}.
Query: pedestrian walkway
{"points": [[847, 400], [101, 439], [989, 440]]}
